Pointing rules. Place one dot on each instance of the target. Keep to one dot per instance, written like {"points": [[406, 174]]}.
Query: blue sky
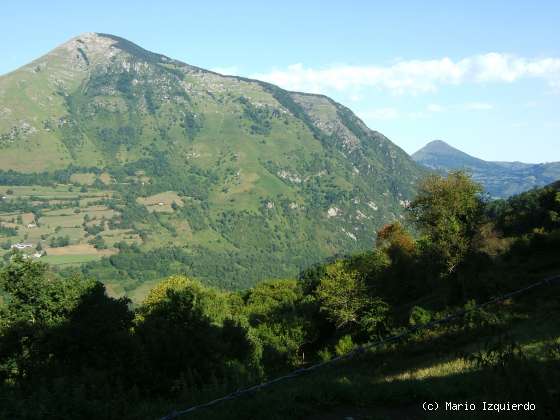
{"points": [[483, 76]]}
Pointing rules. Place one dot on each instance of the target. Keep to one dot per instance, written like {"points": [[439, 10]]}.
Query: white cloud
{"points": [[379, 114], [428, 112], [417, 76]]}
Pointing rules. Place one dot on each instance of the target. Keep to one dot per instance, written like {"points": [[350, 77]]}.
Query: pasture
{"points": [[60, 222]]}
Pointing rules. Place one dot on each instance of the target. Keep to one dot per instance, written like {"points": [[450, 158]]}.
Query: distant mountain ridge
{"points": [[500, 179]]}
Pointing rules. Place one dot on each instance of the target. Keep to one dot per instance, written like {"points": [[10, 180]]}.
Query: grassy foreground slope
{"points": [[516, 359], [203, 167]]}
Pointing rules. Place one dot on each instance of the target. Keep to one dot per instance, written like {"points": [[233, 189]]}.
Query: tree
{"points": [[59, 241], [184, 335], [395, 241], [56, 328], [211, 302], [281, 317], [535, 209], [348, 302], [35, 294], [448, 211], [342, 295], [98, 242]]}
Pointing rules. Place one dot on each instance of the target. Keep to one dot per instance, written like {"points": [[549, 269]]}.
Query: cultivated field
{"points": [[58, 224]]}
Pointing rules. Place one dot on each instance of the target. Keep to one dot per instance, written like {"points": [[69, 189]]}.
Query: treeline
{"points": [[231, 270], [59, 176], [67, 350], [7, 231], [538, 208]]}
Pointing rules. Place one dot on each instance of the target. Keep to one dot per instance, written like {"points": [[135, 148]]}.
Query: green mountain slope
{"points": [[241, 169], [500, 179]]}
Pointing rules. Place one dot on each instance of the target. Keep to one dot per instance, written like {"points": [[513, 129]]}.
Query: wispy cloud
{"points": [[417, 76], [429, 111], [434, 109]]}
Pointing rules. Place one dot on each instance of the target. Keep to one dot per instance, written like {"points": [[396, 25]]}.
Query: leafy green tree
{"points": [[403, 278], [37, 302], [187, 337], [98, 242], [448, 211], [344, 345], [342, 295], [35, 294], [346, 300], [419, 316], [95, 336], [210, 301], [281, 318], [536, 209], [59, 241]]}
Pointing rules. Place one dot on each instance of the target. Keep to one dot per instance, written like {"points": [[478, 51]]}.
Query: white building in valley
{"points": [[22, 246]]}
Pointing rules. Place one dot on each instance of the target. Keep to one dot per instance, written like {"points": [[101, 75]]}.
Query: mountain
{"points": [[229, 179], [500, 179]]}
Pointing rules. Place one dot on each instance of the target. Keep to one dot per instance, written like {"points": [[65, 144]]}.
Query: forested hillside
{"points": [[146, 166], [67, 350]]}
